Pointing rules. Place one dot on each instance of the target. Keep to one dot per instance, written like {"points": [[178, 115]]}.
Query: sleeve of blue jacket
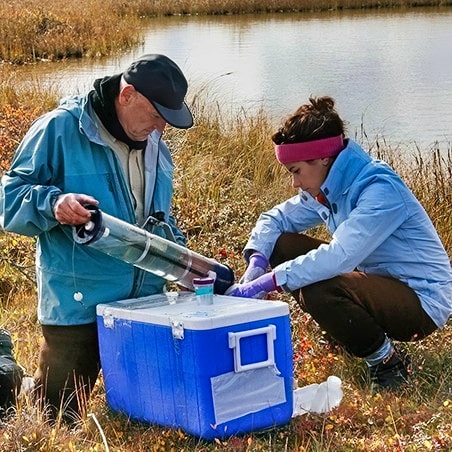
{"points": [[27, 192], [378, 214]]}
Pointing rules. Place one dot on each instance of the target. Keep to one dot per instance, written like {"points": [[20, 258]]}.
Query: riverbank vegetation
{"points": [[36, 30], [225, 176]]}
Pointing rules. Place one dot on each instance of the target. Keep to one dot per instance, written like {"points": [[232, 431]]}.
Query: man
{"points": [[104, 148]]}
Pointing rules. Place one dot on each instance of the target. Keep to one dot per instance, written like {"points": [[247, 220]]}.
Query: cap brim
{"points": [[182, 118]]}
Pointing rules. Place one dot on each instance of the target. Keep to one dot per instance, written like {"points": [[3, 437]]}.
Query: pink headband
{"points": [[309, 150]]}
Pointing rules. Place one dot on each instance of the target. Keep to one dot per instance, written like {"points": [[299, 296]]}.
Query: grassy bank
{"points": [[225, 176], [34, 30]]}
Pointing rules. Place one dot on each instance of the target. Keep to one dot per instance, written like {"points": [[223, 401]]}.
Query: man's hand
{"points": [[68, 208], [257, 266], [258, 288]]}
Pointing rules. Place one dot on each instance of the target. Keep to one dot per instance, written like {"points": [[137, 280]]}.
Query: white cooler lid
{"points": [[225, 310]]}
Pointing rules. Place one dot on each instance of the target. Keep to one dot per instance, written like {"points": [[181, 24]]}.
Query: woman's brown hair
{"points": [[313, 121]]}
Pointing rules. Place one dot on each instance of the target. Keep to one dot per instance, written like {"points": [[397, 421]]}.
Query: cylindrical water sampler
{"points": [[150, 252]]}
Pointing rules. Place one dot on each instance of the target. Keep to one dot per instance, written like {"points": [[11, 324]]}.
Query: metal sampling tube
{"points": [[150, 252]]}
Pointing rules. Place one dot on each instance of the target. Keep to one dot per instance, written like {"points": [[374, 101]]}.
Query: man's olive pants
{"points": [[68, 367]]}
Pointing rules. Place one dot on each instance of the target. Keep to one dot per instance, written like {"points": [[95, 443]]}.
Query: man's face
{"points": [[137, 115]]}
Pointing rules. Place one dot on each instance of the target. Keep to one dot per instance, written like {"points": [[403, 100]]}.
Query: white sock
{"points": [[380, 354]]}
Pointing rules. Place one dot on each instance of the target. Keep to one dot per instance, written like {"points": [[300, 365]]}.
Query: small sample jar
{"points": [[204, 290]]}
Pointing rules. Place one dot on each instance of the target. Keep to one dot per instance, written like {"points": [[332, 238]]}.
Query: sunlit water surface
{"points": [[389, 71]]}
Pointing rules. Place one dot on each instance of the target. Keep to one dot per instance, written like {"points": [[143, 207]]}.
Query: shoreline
{"points": [[34, 30]]}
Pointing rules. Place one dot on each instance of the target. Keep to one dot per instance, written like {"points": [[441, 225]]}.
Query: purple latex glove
{"points": [[257, 266], [258, 288]]}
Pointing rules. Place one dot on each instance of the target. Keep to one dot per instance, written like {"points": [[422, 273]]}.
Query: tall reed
{"points": [[32, 30]]}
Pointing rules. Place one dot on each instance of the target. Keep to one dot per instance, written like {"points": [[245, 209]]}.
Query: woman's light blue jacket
{"points": [[63, 153], [377, 226]]}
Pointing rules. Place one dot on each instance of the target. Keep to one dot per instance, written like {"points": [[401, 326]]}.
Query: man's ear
{"points": [[126, 95]]}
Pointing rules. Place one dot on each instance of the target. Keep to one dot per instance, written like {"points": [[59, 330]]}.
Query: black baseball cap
{"points": [[161, 81]]}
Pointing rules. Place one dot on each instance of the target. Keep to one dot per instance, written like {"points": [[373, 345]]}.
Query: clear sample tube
{"points": [[150, 252]]}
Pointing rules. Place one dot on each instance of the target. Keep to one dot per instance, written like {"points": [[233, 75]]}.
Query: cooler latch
{"points": [[178, 329], [109, 320], [234, 343]]}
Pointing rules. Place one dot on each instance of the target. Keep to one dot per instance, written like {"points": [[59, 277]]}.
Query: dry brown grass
{"points": [[33, 30], [418, 419]]}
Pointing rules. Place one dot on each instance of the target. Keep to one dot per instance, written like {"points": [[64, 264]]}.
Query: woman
{"points": [[383, 276]]}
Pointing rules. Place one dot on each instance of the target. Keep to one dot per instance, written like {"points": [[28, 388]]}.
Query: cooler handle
{"points": [[234, 342]]}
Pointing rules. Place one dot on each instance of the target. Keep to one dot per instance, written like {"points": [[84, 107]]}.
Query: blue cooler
{"points": [[212, 370]]}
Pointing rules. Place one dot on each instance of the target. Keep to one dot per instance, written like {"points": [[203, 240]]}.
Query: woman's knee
{"points": [[321, 295], [291, 245]]}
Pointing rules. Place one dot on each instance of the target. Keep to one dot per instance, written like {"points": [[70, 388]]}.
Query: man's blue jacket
{"points": [[63, 153]]}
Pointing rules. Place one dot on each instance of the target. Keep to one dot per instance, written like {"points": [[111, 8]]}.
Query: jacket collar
{"points": [[348, 164]]}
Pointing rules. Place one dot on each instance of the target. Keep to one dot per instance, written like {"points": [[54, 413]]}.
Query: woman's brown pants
{"points": [[357, 309]]}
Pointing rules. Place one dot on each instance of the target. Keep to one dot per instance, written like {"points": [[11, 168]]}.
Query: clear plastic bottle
{"points": [[318, 398], [204, 290]]}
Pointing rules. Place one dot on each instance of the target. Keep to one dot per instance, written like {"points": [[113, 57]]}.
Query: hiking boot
{"points": [[10, 373], [391, 373]]}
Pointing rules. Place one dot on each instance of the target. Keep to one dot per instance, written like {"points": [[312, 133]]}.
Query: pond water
{"points": [[390, 71]]}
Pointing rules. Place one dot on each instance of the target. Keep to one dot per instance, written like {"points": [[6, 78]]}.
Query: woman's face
{"points": [[309, 175]]}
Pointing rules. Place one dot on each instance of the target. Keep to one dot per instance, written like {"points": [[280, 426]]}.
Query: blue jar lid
{"points": [[203, 281]]}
